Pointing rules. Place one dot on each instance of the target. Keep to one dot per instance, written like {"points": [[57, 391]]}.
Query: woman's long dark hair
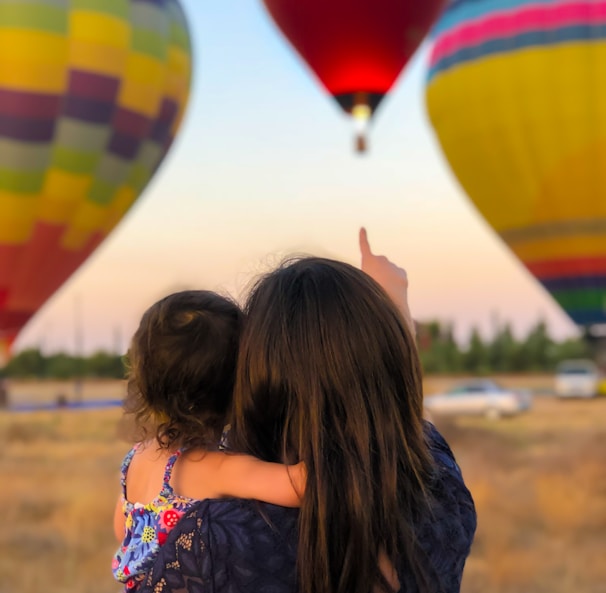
{"points": [[328, 374]]}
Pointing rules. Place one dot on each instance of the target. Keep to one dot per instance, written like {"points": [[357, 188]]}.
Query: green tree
{"points": [[427, 337], [449, 352], [439, 351], [502, 351], [475, 357], [60, 366], [28, 364], [571, 348], [104, 365], [538, 349]]}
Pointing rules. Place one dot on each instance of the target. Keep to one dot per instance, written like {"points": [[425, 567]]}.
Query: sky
{"points": [[264, 167]]}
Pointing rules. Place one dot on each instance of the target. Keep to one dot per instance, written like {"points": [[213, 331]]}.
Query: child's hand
{"points": [[298, 476], [391, 277]]}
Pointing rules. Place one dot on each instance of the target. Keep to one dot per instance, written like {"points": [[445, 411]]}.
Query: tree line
{"points": [[440, 353], [33, 364], [503, 353]]}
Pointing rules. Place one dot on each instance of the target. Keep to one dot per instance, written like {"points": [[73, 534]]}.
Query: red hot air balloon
{"points": [[357, 48]]}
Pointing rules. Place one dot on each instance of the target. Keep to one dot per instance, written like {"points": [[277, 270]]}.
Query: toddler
{"points": [[182, 363]]}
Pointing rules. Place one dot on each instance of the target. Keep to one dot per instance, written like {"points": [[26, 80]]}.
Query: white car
{"points": [[479, 397], [577, 378]]}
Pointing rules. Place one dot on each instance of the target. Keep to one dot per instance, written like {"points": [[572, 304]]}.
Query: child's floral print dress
{"points": [[147, 526]]}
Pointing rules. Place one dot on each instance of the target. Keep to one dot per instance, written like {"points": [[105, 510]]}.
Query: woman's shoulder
{"points": [[245, 519], [447, 532], [440, 449], [238, 545], [238, 513], [447, 481], [251, 532]]}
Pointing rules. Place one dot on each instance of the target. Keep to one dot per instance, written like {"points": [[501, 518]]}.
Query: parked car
{"points": [[479, 397], [577, 378]]}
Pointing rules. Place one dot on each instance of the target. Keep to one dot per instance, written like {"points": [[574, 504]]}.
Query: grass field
{"points": [[539, 482]]}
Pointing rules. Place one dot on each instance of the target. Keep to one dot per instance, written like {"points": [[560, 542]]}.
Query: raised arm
{"points": [[391, 277]]}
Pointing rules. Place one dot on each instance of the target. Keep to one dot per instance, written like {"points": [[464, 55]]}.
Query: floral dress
{"points": [[147, 526]]}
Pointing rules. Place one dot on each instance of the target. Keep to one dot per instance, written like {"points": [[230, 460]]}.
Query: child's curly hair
{"points": [[181, 369]]}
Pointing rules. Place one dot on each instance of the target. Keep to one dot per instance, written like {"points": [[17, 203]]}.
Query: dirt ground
{"points": [[538, 479], [43, 392], [23, 391]]}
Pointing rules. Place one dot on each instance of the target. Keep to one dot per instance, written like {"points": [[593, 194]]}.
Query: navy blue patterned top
{"points": [[244, 546]]}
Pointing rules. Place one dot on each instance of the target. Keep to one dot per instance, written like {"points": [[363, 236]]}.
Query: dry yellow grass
{"points": [[60, 471], [41, 392], [539, 482]]}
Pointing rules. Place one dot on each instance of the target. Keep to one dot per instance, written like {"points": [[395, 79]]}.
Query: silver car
{"points": [[577, 378], [479, 397]]}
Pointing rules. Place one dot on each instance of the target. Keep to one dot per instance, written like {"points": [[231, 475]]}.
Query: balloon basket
{"points": [[361, 145], [361, 114]]}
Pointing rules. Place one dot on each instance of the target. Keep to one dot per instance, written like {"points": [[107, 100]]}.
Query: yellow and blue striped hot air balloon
{"points": [[92, 93], [517, 95]]}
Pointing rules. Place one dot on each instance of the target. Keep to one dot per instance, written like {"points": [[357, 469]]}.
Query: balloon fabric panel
{"points": [[517, 95], [92, 93]]}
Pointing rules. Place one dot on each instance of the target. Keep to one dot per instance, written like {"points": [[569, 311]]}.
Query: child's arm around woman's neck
{"points": [[204, 474]]}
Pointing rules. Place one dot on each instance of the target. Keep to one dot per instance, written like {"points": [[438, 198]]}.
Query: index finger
{"points": [[364, 244]]}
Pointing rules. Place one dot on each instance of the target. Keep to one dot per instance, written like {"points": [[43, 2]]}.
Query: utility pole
{"points": [[118, 349], [78, 347]]}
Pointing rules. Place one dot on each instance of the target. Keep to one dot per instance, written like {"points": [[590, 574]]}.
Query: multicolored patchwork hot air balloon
{"points": [[357, 48], [517, 95], [92, 93]]}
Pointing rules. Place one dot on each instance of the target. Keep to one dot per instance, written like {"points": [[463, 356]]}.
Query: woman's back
{"points": [[329, 375], [241, 546]]}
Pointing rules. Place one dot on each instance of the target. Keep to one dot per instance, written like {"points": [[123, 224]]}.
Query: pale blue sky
{"points": [[264, 167]]}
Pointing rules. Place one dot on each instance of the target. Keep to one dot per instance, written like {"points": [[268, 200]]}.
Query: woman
{"points": [[328, 374]]}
